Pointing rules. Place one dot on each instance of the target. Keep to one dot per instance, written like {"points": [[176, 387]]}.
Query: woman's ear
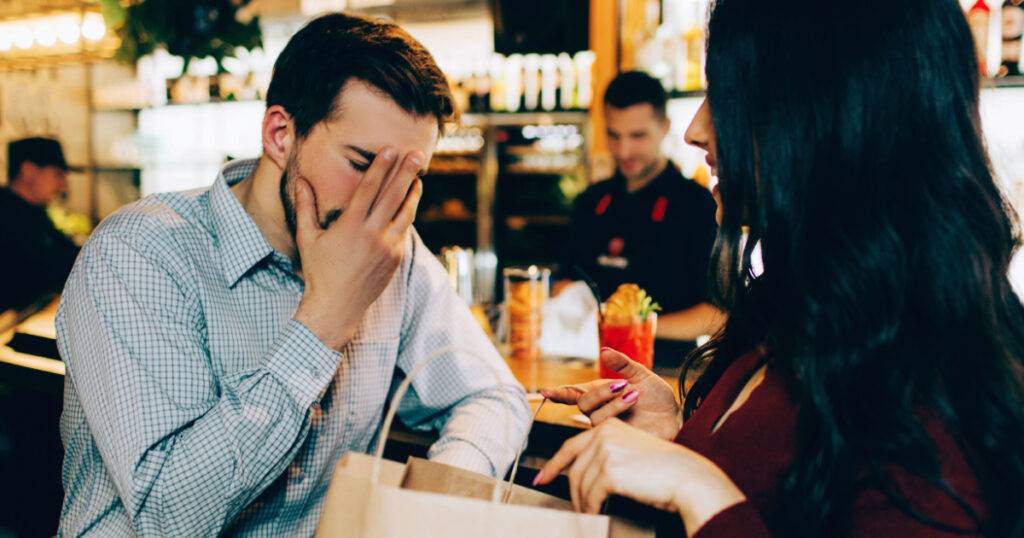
{"points": [[278, 135]]}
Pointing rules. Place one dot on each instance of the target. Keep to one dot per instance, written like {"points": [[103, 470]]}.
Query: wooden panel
{"points": [[604, 41]]}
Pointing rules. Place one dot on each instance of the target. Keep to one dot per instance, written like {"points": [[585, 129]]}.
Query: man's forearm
{"points": [[688, 324], [194, 470], [477, 431]]}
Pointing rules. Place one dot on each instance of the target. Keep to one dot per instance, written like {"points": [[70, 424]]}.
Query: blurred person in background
{"points": [[37, 256], [647, 225], [870, 381], [225, 347]]}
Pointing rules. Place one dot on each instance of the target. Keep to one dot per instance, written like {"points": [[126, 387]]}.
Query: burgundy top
{"points": [[755, 446]]}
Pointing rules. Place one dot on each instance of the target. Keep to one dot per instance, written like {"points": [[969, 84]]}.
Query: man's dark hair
{"points": [[635, 88], [36, 150], [333, 49]]}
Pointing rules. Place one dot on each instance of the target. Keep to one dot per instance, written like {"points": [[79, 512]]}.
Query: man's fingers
{"points": [[369, 187], [395, 191], [307, 225], [407, 213], [632, 371]]}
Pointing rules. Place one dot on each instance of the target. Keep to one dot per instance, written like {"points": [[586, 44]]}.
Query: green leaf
{"points": [[647, 305], [113, 13]]}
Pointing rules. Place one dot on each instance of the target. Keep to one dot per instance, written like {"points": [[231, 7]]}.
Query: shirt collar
{"points": [[241, 243], [651, 186]]}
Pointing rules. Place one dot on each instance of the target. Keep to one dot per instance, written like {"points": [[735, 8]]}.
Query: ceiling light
{"points": [[46, 34], [68, 31], [22, 37], [93, 28]]}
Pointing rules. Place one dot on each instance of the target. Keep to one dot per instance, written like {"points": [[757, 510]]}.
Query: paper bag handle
{"points": [[403, 387]]}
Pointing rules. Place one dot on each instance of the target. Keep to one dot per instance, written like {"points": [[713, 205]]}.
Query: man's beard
{"points": [[646, 170], [289, 176]]}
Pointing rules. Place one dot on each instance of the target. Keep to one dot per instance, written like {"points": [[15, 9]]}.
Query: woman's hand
{"points": [[642, 399], [616, 459]]}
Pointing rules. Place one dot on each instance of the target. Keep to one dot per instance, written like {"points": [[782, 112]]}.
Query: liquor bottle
{"points": [[978, 17], [567, 98], [513, 82], [531, 81], [497, 74], [548, 82], [480, 100], [1013, 44], [584, 61]]}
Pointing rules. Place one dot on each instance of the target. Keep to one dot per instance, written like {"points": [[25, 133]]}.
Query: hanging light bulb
{"points": [[22, 37], [93, 28], [46, 34], [68, 31], [6, 40]]}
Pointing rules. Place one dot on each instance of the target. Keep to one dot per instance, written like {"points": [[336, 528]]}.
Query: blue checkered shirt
{"points": [[195, 405]]}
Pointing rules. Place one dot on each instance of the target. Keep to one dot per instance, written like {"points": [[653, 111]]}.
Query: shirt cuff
{"points": [[465, 455], [303, 364]]}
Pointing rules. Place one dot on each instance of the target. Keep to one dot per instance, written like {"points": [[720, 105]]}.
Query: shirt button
{"points": [[315, 372]]}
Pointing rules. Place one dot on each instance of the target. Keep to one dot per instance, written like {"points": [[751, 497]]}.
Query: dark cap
{"points": [[38, 151]]}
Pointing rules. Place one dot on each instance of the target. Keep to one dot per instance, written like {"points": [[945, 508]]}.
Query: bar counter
{"points": [[29, 361], [32, 380]]}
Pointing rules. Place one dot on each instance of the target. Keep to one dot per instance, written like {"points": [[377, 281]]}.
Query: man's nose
{"points": [[622, 150]]}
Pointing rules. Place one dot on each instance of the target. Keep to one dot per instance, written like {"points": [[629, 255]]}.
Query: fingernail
{"points": [[416, 158], [606, 349], [631, 396], [539, 477], [388, 154], [618, 385]]}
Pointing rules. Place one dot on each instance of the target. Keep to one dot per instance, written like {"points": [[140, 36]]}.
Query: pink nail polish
{"points": [[631, 396], [617, 386], [539, 477], [606, 348]]}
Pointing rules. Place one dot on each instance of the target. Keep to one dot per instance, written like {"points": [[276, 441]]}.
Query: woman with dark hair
{"points": [[869, 381]]}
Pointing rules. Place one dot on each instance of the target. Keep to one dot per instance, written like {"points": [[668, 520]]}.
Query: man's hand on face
{"points": [[346, 266]]}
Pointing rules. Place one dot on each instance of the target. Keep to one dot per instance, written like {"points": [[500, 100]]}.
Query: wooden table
{"points": [[547, 373], [555, 422], [41, 324]]}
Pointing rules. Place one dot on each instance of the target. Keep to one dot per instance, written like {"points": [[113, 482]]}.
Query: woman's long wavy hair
{"points": [[849, 147]]}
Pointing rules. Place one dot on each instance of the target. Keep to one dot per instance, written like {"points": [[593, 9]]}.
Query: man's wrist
{"points": [[335, 334]]}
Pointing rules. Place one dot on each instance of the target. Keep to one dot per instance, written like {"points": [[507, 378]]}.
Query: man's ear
{"points": [[27, 173], [278, 135]]}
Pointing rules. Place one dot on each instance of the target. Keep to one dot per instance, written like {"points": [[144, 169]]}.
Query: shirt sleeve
{"points": [[187, 447], [456, 394]]}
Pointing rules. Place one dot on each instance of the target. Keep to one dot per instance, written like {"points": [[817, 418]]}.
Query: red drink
{"points": [[635, 340]]}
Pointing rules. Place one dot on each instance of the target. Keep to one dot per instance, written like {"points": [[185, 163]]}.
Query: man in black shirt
{"points": [[36, 256], [647, 224]]}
